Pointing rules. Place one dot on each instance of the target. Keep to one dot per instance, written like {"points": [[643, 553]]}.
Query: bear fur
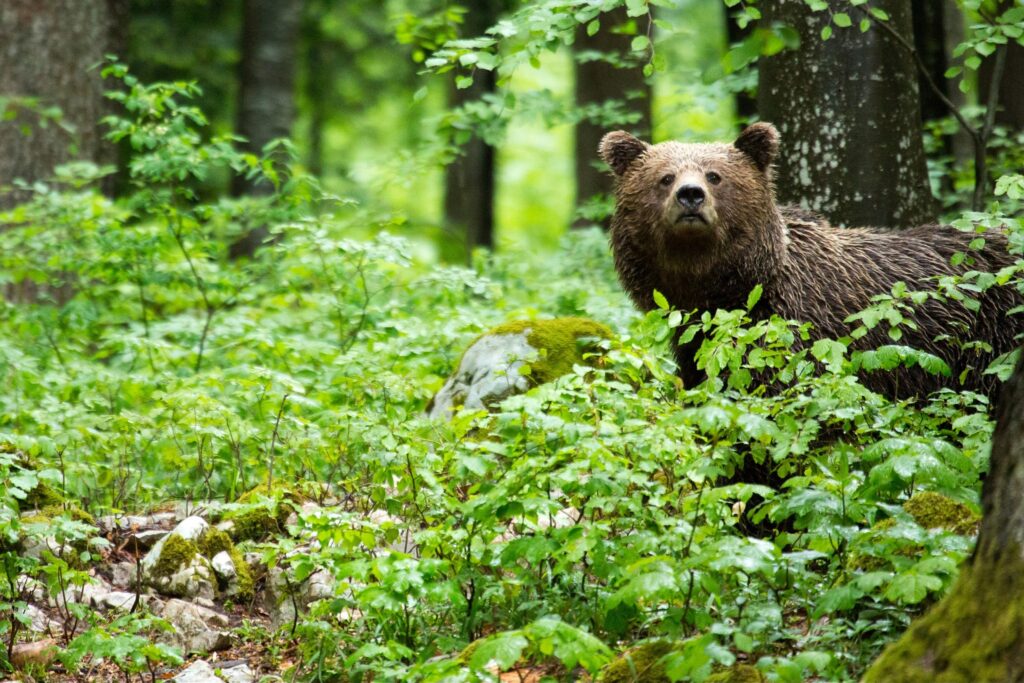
{"points": [[700, 224]]}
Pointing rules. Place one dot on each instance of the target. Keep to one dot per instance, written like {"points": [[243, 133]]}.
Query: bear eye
{"points": [[667, 179], [713, 178]]}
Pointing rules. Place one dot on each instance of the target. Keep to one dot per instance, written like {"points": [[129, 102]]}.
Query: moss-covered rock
{"points": [[558, 343], [264, 513], [512, 358], [936, 511], [931, 511], [174, 554], [738, 673], [641, 664], [644, 664]]}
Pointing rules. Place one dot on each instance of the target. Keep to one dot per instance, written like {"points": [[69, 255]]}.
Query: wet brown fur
{"points": [[809, 270]]}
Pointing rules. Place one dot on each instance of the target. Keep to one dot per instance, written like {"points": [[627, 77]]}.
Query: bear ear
{"points": [[618, 149], [760, 142]]}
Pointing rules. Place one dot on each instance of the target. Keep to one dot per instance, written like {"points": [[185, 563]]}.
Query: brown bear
{"points": [[699, 223]]}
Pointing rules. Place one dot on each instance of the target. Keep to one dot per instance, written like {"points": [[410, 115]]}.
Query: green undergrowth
{"points": [[591, 513]]}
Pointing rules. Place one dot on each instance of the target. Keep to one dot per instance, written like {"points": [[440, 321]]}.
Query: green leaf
{"points": [[842, 19], [826, 32], [660, 301], [640, 43], [911, 588], [504, 649], [754, 296]]}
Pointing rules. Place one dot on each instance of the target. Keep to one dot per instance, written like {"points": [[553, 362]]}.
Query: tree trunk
{"points": [[1011, 89], [849, 113], [746, 103], [469, 180], [976, 633], [266, 93], [46, 50], [598, 81], [930, 22]]}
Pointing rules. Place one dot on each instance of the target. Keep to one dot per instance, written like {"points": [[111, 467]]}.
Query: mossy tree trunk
{"points": [[977, 632], [607, 71], [849, 112]]}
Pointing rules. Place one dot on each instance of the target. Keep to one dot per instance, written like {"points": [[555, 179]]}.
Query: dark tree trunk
{"points": [[598, 81], [930, 22], [849, 113], [746, 103], [266, 93], [977, 632], [46, 50], [469, 185], [316, 94], [1011, 88]]}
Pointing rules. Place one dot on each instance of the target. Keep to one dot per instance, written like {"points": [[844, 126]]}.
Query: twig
{"points": [[273, 443], [991, 104]]}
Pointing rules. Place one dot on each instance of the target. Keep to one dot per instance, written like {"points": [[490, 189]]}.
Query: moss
{"points": [[557, 341], [640, 664], [246, 585], [69, 510], [976, 633], [268, 514], [176, 553], [253, 524], [739, 673], [931, 511], [935, 511], [214, 541]]}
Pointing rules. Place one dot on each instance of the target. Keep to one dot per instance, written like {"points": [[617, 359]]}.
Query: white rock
{"points": [[122, 574], [281, 606], [119, 600], [238, 674], [198, 672], [193, 581], [224, 566], [40, 621], [489, 371], [82, 595], [197, 629]]}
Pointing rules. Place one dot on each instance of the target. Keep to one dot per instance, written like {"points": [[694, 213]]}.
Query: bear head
{"points": [[695, 204]]}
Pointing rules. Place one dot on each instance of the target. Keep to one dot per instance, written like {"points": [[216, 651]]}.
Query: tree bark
{"points": [[597, 82], [46, 50], [849, 113], [976, 633], [266, 94], [469, 184]]}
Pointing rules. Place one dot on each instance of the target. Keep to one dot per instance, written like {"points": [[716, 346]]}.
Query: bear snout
{"points": [[691, 197]]}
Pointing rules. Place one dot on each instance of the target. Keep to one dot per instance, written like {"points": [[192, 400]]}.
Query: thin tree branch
{"points": [[991, 104]]}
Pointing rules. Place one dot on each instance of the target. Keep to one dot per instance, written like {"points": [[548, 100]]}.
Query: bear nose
{"points": [[690, 196]]}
